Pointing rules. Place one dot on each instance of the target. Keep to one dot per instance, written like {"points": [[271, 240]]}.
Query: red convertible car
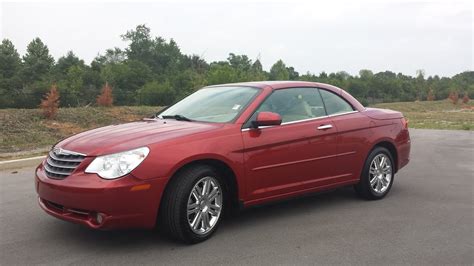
{"points": [[223, 147]]}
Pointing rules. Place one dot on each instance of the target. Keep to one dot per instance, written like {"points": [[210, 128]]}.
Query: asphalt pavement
{"points": [[427, 218]]}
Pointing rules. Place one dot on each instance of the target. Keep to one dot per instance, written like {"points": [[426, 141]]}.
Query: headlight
{"points": [[118, 164]]}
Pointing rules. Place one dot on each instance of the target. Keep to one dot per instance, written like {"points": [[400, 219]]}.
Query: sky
{"points": [[315, 36]]}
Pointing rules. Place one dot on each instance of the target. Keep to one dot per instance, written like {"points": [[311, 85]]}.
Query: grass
{"points": [[435, 114], [26, 129], [24, 132]]}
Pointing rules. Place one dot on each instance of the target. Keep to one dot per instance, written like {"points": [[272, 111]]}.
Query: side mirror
{"points": [[266, 119]]}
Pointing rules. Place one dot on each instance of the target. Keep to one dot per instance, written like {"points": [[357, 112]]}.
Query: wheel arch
{"points": [[391, 148], [223, 168]]}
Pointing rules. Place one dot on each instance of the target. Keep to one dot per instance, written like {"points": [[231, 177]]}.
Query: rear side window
{"points": [[334, 103], [294, 104]]}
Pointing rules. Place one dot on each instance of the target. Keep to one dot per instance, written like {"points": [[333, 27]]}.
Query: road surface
{"points": [[426, 219]]}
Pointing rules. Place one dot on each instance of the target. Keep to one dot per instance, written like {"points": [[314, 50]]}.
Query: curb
{"points": [[19, 163]]}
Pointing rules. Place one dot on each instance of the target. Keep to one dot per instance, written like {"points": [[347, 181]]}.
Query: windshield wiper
{"points": [[176, 117]]}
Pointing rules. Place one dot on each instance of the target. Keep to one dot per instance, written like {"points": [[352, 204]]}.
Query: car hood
{"points": [[122, 137]]}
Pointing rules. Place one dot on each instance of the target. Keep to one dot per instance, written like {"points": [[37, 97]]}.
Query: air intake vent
{"points": [[61, 163]]}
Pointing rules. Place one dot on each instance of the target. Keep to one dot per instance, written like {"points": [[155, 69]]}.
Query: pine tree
{"points": [[279, 71], [37, 61], [50, 104], [10, 66], [105, 99]]}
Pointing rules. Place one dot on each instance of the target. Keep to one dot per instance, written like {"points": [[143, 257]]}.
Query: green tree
{"points": [[421, 89], [279, 71], [256, 71], [257, 66], [464, 82], [221, 72], [10, 61], [126, 78], [116, 75], [111, 56], [138, 74], [186, 82], [71, 87], [163, 57], [141, 44], [366, 75], [239, 62], [37, 62], [155, 67], [10, 66], [155, 93], [292, 74], [66, 62], [167, 58], [323, 75], [241, 65], [196, 64], [358, 89]]}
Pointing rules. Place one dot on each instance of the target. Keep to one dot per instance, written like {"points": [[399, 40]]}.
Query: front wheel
{"points": [[377, 175], [192, 207]]}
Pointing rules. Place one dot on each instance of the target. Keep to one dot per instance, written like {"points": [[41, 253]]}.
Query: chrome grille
{"points": [[61, 163]]}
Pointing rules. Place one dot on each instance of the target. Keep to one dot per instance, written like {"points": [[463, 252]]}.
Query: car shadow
{"points": [[118, 240], [292, 207]]}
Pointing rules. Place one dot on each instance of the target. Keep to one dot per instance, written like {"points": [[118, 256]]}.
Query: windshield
{"points": [[215, 104]]}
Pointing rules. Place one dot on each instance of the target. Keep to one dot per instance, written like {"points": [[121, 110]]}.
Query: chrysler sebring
{"points": [[222, 148]]}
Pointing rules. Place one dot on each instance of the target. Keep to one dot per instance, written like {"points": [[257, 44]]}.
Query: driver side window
{"points": [[294, 104]]}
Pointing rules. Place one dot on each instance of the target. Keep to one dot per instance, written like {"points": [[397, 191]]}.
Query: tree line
{"points": [[154, 71]]}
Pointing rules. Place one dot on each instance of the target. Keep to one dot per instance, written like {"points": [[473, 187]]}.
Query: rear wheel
{"points": [[377, 175], [193, 204]]}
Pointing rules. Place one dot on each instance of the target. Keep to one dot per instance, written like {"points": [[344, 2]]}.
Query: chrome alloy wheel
{"points": [[380, 173], [204, 205]]}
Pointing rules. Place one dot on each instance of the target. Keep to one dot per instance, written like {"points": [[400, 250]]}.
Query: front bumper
{"points": [[127, 202]]}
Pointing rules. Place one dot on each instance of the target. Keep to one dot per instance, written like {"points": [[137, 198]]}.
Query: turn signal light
{"points": [[140, 187]]}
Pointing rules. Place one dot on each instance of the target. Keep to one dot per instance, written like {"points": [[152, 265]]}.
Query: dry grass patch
{"points": [[435, 114], [26, 129]]}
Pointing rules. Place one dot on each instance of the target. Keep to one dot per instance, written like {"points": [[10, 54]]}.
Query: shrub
{"points": [[49, 105], [364, 102], [454, 97], [155, 93], [465, 99], [430, 96], [105, 98]]}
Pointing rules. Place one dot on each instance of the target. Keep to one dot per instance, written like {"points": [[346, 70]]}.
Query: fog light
{"points": [[99, 218]]}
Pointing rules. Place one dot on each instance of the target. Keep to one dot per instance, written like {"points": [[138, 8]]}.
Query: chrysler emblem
{"points": [[61, 151]]}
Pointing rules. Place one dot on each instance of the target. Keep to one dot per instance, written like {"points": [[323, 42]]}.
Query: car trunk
{"points": [[382, 114]]}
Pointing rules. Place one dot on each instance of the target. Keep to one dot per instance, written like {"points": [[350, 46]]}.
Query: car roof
{"points": [[275, 85], [278, 84]]}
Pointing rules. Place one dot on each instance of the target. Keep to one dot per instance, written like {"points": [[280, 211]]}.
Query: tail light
{"points": [[405, 123]]}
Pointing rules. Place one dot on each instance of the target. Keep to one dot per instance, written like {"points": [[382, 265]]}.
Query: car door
{"points": [[294, 156], [353, 129]]}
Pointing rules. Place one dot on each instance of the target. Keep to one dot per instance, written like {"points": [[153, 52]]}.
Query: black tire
{"points": [[363, 188], [173, 213]]}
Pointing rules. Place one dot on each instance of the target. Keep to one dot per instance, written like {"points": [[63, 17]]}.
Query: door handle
{"points": [[324, 127]]}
